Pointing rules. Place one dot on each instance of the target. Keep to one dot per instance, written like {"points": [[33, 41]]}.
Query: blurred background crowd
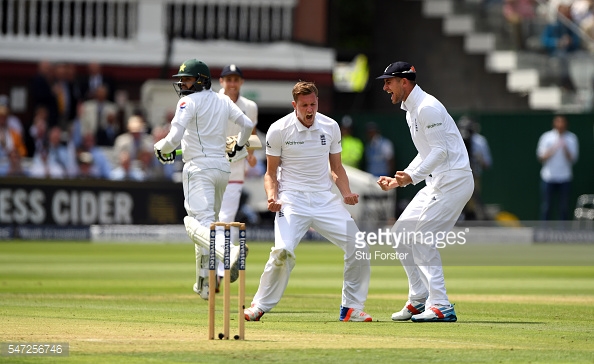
{"points": [[78, 131]]}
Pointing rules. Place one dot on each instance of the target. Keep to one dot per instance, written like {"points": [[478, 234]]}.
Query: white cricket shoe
{"points": [[353, 315], [437, 313], [410, 308], [253, 313]]}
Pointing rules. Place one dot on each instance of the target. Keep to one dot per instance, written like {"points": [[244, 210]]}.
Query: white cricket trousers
{"points": [[432, 212], [324, 212], [203, 193]]}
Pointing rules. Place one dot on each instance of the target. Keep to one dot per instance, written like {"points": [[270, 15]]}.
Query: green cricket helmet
{"points": [[193, 68]]}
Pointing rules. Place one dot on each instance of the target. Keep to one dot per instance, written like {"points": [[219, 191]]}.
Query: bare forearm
{"points": [[342, 181], [270, 186]]}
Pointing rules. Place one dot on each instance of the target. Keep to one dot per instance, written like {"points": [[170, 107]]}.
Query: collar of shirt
{"points": [[413, 100]]}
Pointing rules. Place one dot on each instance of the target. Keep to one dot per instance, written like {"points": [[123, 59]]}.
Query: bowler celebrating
{"points": [[442, 162], [298, 186]]}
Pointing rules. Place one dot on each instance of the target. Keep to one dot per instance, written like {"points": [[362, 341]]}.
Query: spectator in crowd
{"points": [[99, 116], [61, 151], [67, 93], [36, 140], [582, 12], [94, 79], [135, 140], [10, 141], [551, 9], [557, 150], [479, 154], [56, 159], [42, 93], [14, 123], [146, 162], [379, 152], [14, 168], [519, 15], [352, 147], [10, 137], [560, 41], [100, 166], [127, 169], [86, 166]]}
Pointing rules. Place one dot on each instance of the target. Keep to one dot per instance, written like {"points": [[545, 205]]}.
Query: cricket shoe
{"points": [[253, 313], [353, 315], [410, 309], [201, 288], [437, 313]]}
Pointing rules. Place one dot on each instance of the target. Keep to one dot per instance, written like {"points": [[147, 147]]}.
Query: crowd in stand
{"points": [[78, 131], [558, 28]]}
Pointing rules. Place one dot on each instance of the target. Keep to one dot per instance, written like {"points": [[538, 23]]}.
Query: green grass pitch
{"points": [[133, 303]]}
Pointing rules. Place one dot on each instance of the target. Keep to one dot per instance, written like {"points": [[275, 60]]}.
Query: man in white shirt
{"points": [[200, 124], [557, 150], [231, 81], [442, 162], [298, 187]]}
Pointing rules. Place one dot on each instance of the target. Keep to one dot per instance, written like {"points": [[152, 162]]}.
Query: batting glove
{"points": [[165, 158]]}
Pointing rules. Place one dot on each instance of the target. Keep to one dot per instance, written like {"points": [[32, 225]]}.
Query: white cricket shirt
{"points": [[250, 109], [557, 168], [435, 135], [203, 116], [304, 152]]}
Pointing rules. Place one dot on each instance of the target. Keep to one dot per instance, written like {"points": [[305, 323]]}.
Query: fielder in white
{"points": [[200, 125], [299, 148], [231, 81], [442, 162]]}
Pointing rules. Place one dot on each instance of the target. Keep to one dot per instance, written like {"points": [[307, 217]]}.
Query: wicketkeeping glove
{"points": [[165, 158], [238, 153]]}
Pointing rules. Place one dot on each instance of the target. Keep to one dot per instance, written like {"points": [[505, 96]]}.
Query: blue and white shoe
{"points": [[410, 309], [353, 315], [437, 313]]}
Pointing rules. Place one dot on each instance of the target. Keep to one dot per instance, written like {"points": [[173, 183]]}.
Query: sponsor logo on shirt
{"points": [[289, 142], [433, 125], [182, 105]]}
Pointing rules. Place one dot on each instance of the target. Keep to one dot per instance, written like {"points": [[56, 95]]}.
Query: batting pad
{"points": [[200, 235]]}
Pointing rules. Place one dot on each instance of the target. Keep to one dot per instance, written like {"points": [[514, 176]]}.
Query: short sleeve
{"points": [[273, 142], [336, 145]]}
